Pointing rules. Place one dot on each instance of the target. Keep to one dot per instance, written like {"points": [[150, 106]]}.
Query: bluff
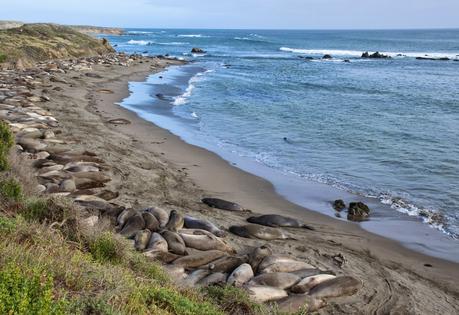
{"points": [[23, 46]]}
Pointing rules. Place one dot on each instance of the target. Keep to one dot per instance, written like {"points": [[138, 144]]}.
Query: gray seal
{"points": [[275, 220], [175, 242], [339, 286], [222, 204], [133, 225]]}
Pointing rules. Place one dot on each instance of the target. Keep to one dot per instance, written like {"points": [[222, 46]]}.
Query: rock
{"points": [[339, 205], [376, 55], [430, 58], [196, 50], [358, 211], [327, 57]]}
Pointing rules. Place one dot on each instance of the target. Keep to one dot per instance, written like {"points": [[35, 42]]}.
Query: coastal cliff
{"points": [[23, 46]]}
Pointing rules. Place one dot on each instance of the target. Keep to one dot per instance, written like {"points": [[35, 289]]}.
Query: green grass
{"points": [[2, 57], [233, 300], [104, 248]]}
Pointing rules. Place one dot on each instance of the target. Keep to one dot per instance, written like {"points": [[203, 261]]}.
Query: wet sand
{"points": [[150, 166]]}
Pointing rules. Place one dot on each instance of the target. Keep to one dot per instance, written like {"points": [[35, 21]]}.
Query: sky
{"points": [[248, 14]]}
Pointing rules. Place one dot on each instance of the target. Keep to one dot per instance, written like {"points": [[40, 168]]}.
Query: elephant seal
{"points": [[225, 264], [198, 259], [258, 254], [339, 286], [175, 272], [174, 242], [308, 283], [175, 222], [222, 204], [275, 220], [262, 294], [194, 277], [164, 257], [258, 231], [194, 223], [151, 223], [299, 302], [309, 272], [157, 243], [204, 241], [134, 224], [241, 275], [213, 279], [160, 214], [142, 238], [281, 280], [279, 263]]}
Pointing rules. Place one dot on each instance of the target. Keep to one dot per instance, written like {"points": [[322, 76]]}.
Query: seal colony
{"points": [[194, 241]]}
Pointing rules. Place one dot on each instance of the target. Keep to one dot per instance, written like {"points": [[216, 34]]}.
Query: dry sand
{"points": [[150, 166]]}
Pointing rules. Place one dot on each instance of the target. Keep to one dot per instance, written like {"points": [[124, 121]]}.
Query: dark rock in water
{"points": [[358, 211], [196, 50], [327, 57], [222, 204], [430, 58], [339, 205], [347, 60], [376, 55]]}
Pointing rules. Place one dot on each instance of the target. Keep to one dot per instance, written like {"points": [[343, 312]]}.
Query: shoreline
{"points": [[148, 161], [317, 197]]}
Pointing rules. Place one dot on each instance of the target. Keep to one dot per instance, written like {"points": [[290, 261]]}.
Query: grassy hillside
{"points": [[23, 46], [52, 263]]}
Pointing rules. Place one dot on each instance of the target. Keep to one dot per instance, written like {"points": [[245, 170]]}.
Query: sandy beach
{"points": [[151, 166]]}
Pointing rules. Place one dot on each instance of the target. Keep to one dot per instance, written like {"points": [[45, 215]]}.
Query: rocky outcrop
{"points": [[376, 55], [358, 211], [196, 50]]}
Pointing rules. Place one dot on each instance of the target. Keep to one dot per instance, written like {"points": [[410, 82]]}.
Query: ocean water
{"points": [[384, 129]]}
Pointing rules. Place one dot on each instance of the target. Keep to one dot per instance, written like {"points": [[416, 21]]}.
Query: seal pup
{"points": [[198, 259], [134, 224], [259, 231], [157, 243], [281, 280], [225, 264], [257, 255], [336, 287], [300, 302], [142, 238], [175, 222], [241, 275], [204, 241], [275, 220], [194, 223], [174, 242], [308, 283], [213, 279], [161, 215], [222, 204], [262, 294], [151, 223], [280, 263]]}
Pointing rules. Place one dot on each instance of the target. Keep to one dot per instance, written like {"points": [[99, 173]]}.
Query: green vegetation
{"points": [[49, 264], [2, 58], [32, 43], [6, 143]]}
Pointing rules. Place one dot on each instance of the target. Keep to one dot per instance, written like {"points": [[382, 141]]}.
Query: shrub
{"points": [[233, 300], [7, 224], [27, 293], [6, 142], [2, 57], [10, 190], [105, 248]]}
